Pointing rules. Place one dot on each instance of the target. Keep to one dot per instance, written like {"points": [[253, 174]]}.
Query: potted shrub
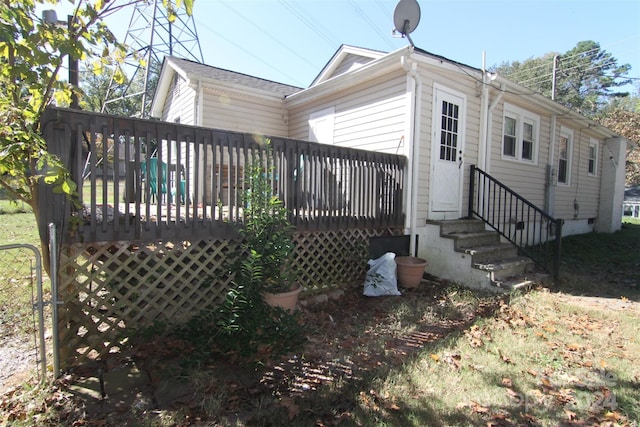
{"points": [[267, 246]]}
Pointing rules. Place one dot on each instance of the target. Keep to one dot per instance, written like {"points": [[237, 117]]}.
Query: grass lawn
{"points": [[17, 280], [566, 354]]}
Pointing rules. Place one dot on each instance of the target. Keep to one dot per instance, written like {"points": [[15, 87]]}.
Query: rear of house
{"points": [[442, 115]]}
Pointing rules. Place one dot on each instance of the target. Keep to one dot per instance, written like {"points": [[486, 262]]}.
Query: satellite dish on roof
{"points": [[406, 17]]}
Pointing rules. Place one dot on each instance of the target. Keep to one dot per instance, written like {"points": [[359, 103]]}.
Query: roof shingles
{"points": [[222, 75]]}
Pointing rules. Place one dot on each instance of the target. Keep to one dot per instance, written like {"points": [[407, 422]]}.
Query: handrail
{"points": [[519, 221]]}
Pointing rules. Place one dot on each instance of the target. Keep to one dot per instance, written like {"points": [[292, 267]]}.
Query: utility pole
{"points": [[50, 17], [553, 78]]}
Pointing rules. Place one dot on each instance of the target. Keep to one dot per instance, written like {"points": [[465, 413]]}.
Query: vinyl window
{"points": [[592, 168], [520, 135], [565, 150]]}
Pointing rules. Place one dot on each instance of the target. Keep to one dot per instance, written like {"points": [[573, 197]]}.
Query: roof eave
{"points": [[160, 94], [340, 54], [367, 72], [238, 88], [554, 107]]}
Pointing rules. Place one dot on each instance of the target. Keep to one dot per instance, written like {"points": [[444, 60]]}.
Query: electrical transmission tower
{"points": [[152, 34]]}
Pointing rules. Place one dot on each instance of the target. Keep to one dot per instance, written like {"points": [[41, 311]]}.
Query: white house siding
{"points": [[180, 107], [351, 62], [458, 82], [578, 203], [370, 116], [424, 171], [243, 113], [530, 179], [525, 178]]}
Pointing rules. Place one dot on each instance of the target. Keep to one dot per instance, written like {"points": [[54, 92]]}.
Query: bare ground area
{"points": [[349, 337], [17, 361]]}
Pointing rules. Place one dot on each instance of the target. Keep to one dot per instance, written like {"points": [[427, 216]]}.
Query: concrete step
{"points": [[507, 268], [459, 226], [521, 283], [514, 284], [470, 239], [488, 253]]}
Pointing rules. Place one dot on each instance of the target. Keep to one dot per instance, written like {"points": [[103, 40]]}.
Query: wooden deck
{"points": [[150, 165]]}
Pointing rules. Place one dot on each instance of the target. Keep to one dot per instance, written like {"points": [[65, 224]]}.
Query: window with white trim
{"points": [[520, 134], [592, 168], [565, 150]]}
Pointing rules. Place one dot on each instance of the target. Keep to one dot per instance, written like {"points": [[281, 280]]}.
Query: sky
{"points": [[290, 41]]}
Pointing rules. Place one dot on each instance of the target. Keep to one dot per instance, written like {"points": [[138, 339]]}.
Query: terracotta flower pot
{"points": [[410, 270], [286, 300]]}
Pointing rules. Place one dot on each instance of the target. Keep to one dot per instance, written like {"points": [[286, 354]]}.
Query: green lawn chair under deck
{"points": [[153, 178]]}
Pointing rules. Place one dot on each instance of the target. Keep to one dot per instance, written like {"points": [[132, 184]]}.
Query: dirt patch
{"points": [[18, 361], [600, 303], [350, 337]]}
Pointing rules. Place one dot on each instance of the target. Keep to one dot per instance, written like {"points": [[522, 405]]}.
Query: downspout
{"points": [[549, 184], [198, 122], [198, 104], [490, 109], [412, 70], [484, 118]]}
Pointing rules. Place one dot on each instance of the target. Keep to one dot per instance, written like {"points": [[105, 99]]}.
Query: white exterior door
{"points": [[447, 153]]}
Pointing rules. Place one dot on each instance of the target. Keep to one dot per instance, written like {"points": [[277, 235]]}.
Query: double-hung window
{"points": [[520, 134], [565, 151], [592, 168]]}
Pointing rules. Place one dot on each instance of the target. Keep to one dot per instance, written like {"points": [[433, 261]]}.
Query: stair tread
{"points": [[503, 263], [470, 234], [514, 284], [521, 282], [485, 248]]}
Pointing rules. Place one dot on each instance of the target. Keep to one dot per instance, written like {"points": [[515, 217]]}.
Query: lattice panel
{"points": [[109, 288], [333, 259]]}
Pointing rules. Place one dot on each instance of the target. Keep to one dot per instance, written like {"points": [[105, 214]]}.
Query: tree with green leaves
{"points": [[32, 54], [584, 78], [622, 115], [94, 88]]}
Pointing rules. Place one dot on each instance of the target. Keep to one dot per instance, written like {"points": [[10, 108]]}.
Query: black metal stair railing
{"points": [[536, 234]]}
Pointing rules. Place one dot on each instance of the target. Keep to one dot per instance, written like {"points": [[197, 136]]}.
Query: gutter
{"points": [[412, 70], [198, 104], [483, 141]]}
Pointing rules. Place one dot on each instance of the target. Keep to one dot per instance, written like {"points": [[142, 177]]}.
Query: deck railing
{"points": [[535, 233], [142, 179]]}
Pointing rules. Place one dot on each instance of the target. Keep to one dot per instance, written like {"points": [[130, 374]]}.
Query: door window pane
{"points": [[449, 132]]}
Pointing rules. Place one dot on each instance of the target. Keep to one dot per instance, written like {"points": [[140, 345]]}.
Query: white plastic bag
{"points": [[381, 277]]}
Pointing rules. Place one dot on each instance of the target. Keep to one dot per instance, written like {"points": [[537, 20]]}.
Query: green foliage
{"points": [[585, 79], [251, 329], [245, 326], [267, 233], [242, 328], [32, 54]]}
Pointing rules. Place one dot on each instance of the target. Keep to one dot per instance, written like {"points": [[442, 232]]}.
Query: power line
{"points": [[265, 32], [323, 33], [251, 54], [366, 17], [591, 53]]}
